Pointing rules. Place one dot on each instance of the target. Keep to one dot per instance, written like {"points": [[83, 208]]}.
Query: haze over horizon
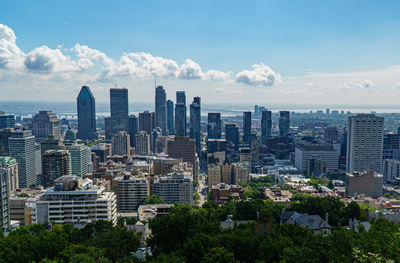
{"points": [[264, 52]]}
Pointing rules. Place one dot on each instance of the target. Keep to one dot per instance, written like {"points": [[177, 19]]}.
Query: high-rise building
{"points": [[367, 182], [331, 134], [133, 129], [180, 114], [175, 188], [119, 108], [232, 135], [80, 159], [121, 143], [146, 121], [326, 153], [4, 201], [214, 125], [6, 121], [241, 173], [364, 143], [246, 127], [102, 150], [153, 138], [161, 109], [284, 123], [142, 143], [266, 126], [86, 114], [170, 117], [391, 170], [22, 148], [9, 166], [58, 204], [55, 164], [195, 122], [214, 175], [45, 124], [131, 192], [4, 135]]}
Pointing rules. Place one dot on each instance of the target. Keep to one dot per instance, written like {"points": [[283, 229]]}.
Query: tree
{"points": [[153, 199]]}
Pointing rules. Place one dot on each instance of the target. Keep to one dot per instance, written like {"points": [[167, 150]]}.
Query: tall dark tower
{"points": [[284, 123], [170, 116], [195, 122], [266, 126], [86, 114], [246, 127], [214, 125], [119, 110], [161, 109], [180, 114]]}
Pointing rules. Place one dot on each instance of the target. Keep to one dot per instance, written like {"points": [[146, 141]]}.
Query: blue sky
{"points": [[296, 39]]}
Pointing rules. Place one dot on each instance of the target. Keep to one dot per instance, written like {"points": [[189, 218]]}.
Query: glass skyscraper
{"points": [[161, 109], [195, 122], [170, 116], [266, 126], [180, 114], [119, 109], [246, 127], [284, 123], [86, 114], [214, 125]]}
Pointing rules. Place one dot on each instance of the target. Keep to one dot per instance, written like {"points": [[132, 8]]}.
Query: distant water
{"points": [[102, 108]]}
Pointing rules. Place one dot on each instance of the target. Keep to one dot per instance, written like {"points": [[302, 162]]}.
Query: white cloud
{"points": [[10, 54], [261, 75], [190, 70], [88, 56], [216, 75]]}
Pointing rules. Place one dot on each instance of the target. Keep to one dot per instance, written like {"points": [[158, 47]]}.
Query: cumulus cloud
{"points": [[216, 75], [46, 60], [190, 70], [10, 54], [88, 56], [349, 85], [261, 75]]}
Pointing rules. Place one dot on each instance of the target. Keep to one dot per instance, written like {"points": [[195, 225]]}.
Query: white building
{"points": [[174, 188], [74, 200], [80, 159], [364, 143], [241, 173], [326, 153]]}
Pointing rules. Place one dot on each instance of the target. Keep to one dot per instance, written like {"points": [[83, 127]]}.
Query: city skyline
{"points": [[260, 53]]}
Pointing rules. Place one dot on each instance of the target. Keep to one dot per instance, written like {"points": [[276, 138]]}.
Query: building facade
{"points": [[86, 114]]}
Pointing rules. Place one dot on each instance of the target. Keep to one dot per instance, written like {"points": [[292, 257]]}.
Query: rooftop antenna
{"points": [[115, 85], [155, 80]]}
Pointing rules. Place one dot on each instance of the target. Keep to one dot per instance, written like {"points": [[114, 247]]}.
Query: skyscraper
{"points": [[22, 148], [246, 127], [180, 114], [55, 163], [120, 143], [80, 159], [170, 117], [266, 126], [45, 124], [133, 129], [86, 114], [161, 109], [284, 123], [146, 121], [195, 122], [214, 125], [232, 135], [364, 143], [142, 143], [6, 121], [4, 135], [4, 201], [119, 108]]}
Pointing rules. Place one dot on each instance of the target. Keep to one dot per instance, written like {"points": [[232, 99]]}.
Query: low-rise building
{"points": [[313, 222], [131, 192], [368, 182]]}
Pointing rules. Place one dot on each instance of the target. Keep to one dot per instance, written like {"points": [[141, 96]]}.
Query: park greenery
{"points": [[193, 234]]}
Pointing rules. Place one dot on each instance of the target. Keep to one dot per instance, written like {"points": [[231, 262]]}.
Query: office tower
{"points": [[240, 173], [367, 182], [142, 143], [153, 138], [102, 150], [86, 114], [133, 129], [55, 164], [119, 108], [214, 126], [45, 124], [51, 143], [246, 127], [4, 135], [131, 192], [170, 117], [391, 143], [216, 145], [195, 122], [22, 148], [185, 148], [81, 160], [9, 166], [121, 143], [38, 160], [146, 121], [284, 123], [62, 198], [232, 135], [391, 171], [326, 153], [175, 188], [161, 109], [364, 143], [4, 201], [6, 121], [266, 126], [256, 110], [331, 134], [180, 114]]}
